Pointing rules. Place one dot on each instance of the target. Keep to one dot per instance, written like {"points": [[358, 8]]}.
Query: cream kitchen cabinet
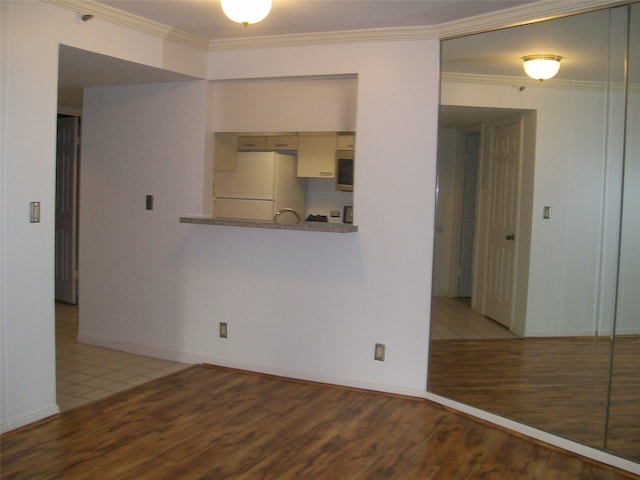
{"points": [[282, 142], [224, 152], [317, 155], [270, 143], [346, 142], [252, 143]]}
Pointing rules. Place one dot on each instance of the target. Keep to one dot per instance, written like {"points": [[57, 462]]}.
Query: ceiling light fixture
{"points": [[541, 66], [246, 11]]}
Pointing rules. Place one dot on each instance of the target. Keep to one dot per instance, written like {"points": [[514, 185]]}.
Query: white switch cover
{"points": [[34, 212]]}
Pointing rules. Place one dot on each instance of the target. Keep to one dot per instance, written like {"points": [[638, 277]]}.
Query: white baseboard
{"points": [[136, 348], [191, 358], [578, 333], [621, 332], [29, 418]]}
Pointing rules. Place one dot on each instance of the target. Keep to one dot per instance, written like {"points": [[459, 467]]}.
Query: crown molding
{"points": [[325, 38], [529, 13], [134, 22], [522, 15], [524, 81]]}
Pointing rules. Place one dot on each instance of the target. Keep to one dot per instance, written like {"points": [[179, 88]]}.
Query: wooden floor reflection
{"points": [[560, 385]]}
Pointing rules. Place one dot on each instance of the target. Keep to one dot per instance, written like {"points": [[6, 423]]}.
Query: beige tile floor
{"points": [[452, 319], [85, 373]]}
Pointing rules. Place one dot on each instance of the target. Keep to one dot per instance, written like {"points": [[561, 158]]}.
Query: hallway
{"points": [[85, 373]]}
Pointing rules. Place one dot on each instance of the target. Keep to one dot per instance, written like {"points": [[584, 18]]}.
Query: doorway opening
{"points": [[67, 198], [485, 159], [85, 373], [470, 162]]}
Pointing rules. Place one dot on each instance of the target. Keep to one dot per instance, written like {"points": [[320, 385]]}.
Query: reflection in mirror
{"points": [[530, 182], [623, 422]]}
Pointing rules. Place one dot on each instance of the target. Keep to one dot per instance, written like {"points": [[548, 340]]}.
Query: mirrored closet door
{"points": [[536, 298]]}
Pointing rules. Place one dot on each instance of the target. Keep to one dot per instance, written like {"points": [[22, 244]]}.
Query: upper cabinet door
{"points": [[224, 152], [317, 155], [346, 142], [282, 142], [252, 143]]}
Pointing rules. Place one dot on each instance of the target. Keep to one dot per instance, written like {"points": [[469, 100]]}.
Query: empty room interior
{"points": [[343, 241]]}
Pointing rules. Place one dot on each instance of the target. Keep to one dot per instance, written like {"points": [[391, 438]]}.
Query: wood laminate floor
{"points": [[560, 385], [215, 423]]}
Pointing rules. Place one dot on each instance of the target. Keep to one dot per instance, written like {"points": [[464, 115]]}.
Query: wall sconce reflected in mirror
{"points": [[541, 66]]}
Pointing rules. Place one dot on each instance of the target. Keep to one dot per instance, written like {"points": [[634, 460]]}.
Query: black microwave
{"points": [[344, 170]]}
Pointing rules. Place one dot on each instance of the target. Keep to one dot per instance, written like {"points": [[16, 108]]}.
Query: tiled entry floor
{"points": [[86, 373], [452, 319]]}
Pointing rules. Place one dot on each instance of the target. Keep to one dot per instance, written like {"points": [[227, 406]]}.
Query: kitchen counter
{"points": [[304, 226]]}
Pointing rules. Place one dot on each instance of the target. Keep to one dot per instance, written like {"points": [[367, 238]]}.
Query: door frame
{"points": [[67, 197], [458, 206]]}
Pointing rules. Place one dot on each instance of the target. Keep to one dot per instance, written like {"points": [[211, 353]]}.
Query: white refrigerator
{"points": [[262, 184]]}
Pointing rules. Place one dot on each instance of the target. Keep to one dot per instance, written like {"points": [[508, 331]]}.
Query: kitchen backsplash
{"points": [[322, 198]]}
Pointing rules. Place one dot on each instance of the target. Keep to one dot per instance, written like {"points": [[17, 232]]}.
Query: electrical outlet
{"points": [[224, 330], [149, 202], [379, 353]]}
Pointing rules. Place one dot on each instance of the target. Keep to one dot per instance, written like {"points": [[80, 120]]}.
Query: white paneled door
{"points": [[66, 276], [504, 194]]}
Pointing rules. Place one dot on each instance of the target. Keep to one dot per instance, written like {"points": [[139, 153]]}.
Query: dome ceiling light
{"points": [[541, 66], [246, 12]]}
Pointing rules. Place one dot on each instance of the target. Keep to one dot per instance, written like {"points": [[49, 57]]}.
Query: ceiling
{"points": [[580, 40], [80, 68], [452, 116], [205, 18]]}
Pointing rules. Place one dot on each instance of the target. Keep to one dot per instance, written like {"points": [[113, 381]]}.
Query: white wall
{"points": [[138, 141], [31, 33], [565, 263], [323, 198], [304, 304], [286, 105], [351, 291], [628, 320], [628, 313]]}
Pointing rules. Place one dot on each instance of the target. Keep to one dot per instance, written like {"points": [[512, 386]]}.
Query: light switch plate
{"points": [[224, 330], [34, 212]]}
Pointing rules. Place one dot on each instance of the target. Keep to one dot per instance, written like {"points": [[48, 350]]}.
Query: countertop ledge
{"points": [[304, 226]]}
